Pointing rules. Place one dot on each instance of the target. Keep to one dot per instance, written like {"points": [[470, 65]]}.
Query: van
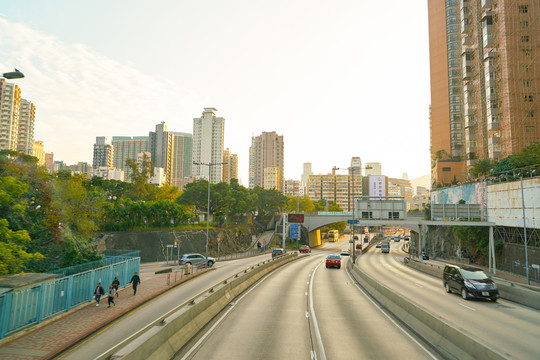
{"points": [[470, 282], [385, 247]]}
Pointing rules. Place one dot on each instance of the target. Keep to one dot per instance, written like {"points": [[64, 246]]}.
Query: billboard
{"points": [[377, 185]]}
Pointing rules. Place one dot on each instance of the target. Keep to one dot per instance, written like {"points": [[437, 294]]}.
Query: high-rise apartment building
{"points": [[181, 158], [127, 147], [10, 102], [266, 151], [373, 168], [103, 153], [356, 166], [305, 174], [230, 168], [49, 162], [25, 136], [208, 144], [485, 75], [38, 151], [342, 189], [161, 146], [293, 188]]}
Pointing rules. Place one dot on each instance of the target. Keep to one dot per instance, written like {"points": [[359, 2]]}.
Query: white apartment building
{"points": [[10, 102], [108, 173], [25, 137], [208, 145]]}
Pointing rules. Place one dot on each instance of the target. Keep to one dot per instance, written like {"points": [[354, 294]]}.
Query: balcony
{"points": [[486, 4], [492, 125]]}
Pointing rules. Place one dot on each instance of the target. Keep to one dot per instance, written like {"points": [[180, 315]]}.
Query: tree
{"points": [[482, 167], [269, 202], [140, 175], [13, 257]]}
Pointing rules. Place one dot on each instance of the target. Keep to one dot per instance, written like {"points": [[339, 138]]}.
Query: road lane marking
{"points": [[322, 354], [465, 306], [417, 284], [392, 320]]}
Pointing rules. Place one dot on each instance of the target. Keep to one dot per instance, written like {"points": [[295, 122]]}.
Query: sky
{"points": [[336, 78]]}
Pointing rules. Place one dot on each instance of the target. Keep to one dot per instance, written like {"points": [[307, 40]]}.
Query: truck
{"points": [[333, 235]]}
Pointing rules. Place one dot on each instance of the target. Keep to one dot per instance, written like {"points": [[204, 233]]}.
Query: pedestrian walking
{"points": [[112, 292], [98, 292], [136, 280], [116, 284]]}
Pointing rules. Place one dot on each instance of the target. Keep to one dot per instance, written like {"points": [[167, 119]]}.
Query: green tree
{"points": [[269, 202], [482, 167], [13, 257], [140, 175]]}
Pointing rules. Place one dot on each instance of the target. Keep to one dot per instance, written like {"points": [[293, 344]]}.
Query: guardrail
{"points": [[28, 306], [165, 336]]}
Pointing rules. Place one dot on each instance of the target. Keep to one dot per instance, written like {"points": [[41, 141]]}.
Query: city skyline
{"points": [[321, 78]]}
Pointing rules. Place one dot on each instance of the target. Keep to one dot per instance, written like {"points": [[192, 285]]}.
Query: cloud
{"points": [[80, 94]]}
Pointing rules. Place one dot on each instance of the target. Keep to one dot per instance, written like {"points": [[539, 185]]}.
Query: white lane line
{"points": [[465, 306], [417, 284], [392, 320], [322, 354]]}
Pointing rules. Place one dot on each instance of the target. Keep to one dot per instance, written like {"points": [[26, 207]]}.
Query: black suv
{"points": [[471, 282]]}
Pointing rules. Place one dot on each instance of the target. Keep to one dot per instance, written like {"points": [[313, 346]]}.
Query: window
{"points": [[527, 52], [367, 215], [524, 9], [525, 38], [530, 113], [527, 83], [525, 68], [446, 169], [393, 215], [529, 129], [524, 24], [528, 98]]}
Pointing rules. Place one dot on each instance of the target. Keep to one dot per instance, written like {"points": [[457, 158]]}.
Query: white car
{"points": [[345, 252]]}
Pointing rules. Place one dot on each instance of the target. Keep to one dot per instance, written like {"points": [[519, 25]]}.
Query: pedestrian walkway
{"points": [[49, 340]]}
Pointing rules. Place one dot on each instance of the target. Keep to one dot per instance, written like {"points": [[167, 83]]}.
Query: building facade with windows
{"points": [[373, 168], [181, 158], [485, 74], [267, 151], [230, 166], [127, 147], [208, 145], [10, 102], [25, 136], [103, 153], [342, 189]]}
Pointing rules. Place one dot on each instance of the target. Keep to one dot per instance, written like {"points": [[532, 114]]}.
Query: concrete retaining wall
{"points": [[172, 332], [449, 340], [517, 293]]}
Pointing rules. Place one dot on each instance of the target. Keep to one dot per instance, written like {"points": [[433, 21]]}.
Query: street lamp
{"points": [[367, 167], [208, 206], [13, 75]]}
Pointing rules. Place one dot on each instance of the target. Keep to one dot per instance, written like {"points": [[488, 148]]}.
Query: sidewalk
{"points": [[49, 340]]}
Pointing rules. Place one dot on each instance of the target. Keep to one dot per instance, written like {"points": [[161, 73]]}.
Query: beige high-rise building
{"points": [[266, 151], [10, 102], [342, 189], [49, 162], [230, 168], [25, 136], [39, 151], [271, 178], [161, 145], [485, 82], [103, 153]]}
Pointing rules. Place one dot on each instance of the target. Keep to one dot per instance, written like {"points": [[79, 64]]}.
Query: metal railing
{"points": [[25, 307]]}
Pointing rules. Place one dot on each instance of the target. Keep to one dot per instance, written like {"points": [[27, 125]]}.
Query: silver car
{"points": [[196, 259]]}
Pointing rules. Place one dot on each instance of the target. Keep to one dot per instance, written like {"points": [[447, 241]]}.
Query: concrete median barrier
{"points": [[167, 335], [451, 341]]}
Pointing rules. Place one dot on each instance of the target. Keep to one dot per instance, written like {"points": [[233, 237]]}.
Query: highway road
{"points": [[302, 311], [146, 314], [510, 328]]}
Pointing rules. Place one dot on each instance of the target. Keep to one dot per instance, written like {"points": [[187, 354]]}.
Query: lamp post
{"points": [[208, 206], [353, 209], [13, 75]]}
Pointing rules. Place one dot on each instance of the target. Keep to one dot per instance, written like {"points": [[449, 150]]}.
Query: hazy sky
{"points": [[336, 78]]}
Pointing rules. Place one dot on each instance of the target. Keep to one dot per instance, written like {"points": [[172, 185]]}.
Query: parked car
{"points": [[304, 249], [425, 256], [277, 252], [345, 252], [471, 282], [333, 261], [196, 259]]}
